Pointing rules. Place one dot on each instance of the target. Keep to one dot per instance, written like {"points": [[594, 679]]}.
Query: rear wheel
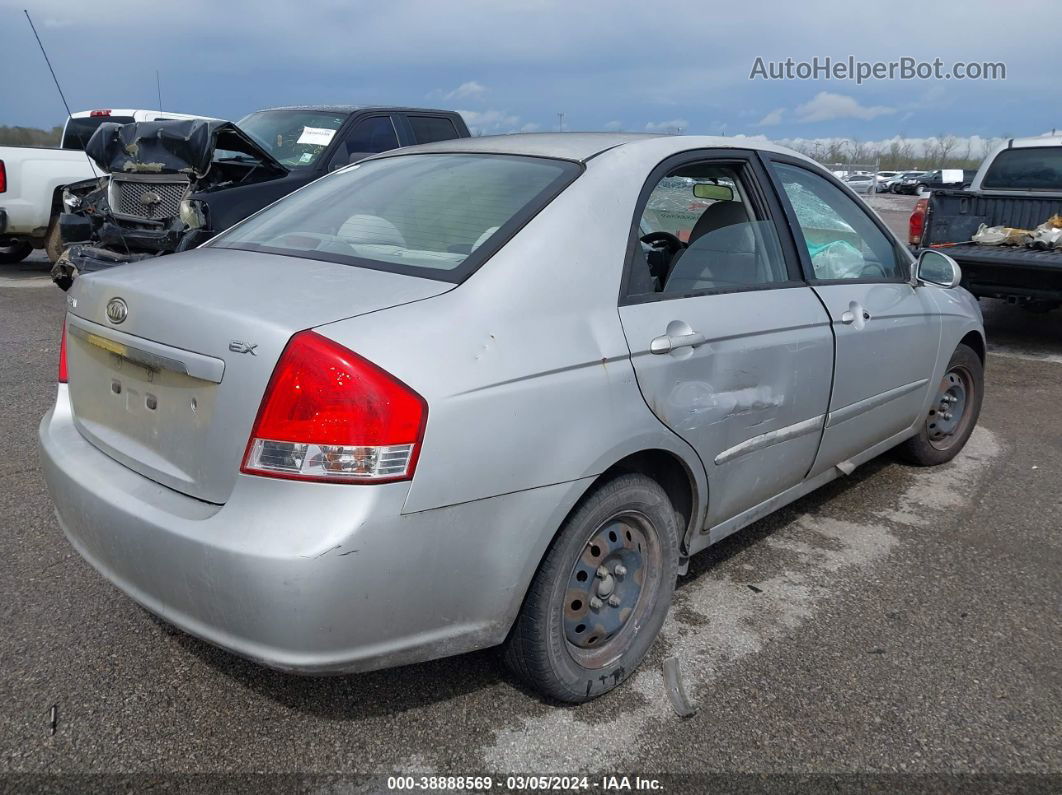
{"points": [[12, 251], [600, 596], [952, 414]]}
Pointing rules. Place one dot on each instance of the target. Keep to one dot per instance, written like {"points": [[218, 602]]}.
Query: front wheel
{"points": [[600, 596], [952, 414]]}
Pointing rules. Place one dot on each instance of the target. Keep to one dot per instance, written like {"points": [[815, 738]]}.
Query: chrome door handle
{"points": [[848, 317], [668, 342]]}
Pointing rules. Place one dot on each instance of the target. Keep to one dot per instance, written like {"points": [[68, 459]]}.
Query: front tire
{"points": [[953, 414], [601, 593]]}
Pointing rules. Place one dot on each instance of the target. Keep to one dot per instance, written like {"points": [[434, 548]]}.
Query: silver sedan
{"points": [[493, 391]]}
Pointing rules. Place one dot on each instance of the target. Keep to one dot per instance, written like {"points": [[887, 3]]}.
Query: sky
{"points": [[514, 65]]}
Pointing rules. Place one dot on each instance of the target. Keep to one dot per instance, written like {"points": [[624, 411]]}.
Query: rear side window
{"points": [[1035, 168], [79, 130], [373, 135], [438, 216], [432, 128]]}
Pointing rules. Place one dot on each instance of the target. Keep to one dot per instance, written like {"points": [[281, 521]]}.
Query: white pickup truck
{"points": [[32, 180]]}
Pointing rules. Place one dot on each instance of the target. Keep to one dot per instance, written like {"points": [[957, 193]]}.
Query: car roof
{"points": [[583, 146], [352, 108], [1033, 141]]}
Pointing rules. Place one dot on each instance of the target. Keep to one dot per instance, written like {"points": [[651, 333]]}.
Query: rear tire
{"points": [[14, 251], [601, 593], [953, 413]]}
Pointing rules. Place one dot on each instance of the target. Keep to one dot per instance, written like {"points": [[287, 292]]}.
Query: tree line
{"points": [[898, 154], [29, 136]]}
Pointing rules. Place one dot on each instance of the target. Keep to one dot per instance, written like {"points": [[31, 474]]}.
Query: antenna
{"points": [[69, 115], [158, 87]]}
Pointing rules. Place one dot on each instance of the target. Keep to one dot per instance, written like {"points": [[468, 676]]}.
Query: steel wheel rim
{"points": [[611, 589], [949, 415]]}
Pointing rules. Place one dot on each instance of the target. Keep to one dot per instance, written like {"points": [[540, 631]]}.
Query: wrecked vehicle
{"points": [[172, 185], [483, 392]]}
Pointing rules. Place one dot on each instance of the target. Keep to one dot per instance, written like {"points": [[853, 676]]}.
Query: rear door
{"points": [[732, 350], [887, 331]]}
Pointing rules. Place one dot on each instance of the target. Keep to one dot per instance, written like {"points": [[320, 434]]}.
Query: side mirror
{"points": [[939, 269]]}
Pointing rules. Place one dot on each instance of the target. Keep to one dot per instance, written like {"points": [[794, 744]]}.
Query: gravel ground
{"points": [[900, 621]]}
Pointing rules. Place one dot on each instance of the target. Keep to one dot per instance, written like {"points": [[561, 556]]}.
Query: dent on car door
{"points": [[887, 331], [731, 350]]}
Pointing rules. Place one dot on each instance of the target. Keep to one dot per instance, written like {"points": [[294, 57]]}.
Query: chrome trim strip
{"points": [[865, 405], [771, 438], [152, 355]]}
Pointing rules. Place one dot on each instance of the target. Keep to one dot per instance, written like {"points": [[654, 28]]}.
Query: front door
{"points": [[731, 349], [887, 331]]}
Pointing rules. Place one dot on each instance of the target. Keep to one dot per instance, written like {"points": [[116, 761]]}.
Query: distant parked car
{"points": [[434, 402], [910, 182], [884, 177], [862, 183]]}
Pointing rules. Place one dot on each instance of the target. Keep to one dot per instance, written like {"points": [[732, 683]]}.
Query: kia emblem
{"points": [[117, 311]]}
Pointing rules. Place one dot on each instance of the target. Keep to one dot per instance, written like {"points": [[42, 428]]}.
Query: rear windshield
{"points": [[79, 130], [439, 216], [1035, 168]]}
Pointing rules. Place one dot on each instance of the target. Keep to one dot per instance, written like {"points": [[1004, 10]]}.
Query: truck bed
{"points": [[995, 271]]}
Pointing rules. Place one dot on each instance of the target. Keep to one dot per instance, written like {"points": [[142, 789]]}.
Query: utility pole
{"points": [[158, 88], [560, 121]]}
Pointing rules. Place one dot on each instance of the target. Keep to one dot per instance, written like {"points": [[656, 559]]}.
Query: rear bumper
{"points": [[303, 577]]}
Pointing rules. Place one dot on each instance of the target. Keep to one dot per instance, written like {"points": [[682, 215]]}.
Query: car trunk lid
{"points": [[168, 358]]}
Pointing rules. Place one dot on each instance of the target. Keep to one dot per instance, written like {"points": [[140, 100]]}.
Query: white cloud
{"points": [[671, 125], [827, 106], [469, 90], [614, 126], [771, 119], [491, 122], [531, 127]]}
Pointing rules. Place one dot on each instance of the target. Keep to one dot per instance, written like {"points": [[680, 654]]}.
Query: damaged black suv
{"points": [[172, 185]]}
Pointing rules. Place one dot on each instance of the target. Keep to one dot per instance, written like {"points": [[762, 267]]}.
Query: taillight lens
{"points": [[916, 225], [62, 357], [3, 177], [329, 414]]}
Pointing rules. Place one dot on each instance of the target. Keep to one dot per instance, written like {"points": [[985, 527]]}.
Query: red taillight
{"points": [[99, 113], [916, 226], [62, 357], [328, 414], [3, 177]]}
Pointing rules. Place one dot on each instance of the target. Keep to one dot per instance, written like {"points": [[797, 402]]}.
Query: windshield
{"points": [[294, 137], [438, 216]]}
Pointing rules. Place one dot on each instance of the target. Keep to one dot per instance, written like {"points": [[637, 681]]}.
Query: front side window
{"points": [[438, 216], [294, 137], [1034, 168], [841, 239], [699, 231]]}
